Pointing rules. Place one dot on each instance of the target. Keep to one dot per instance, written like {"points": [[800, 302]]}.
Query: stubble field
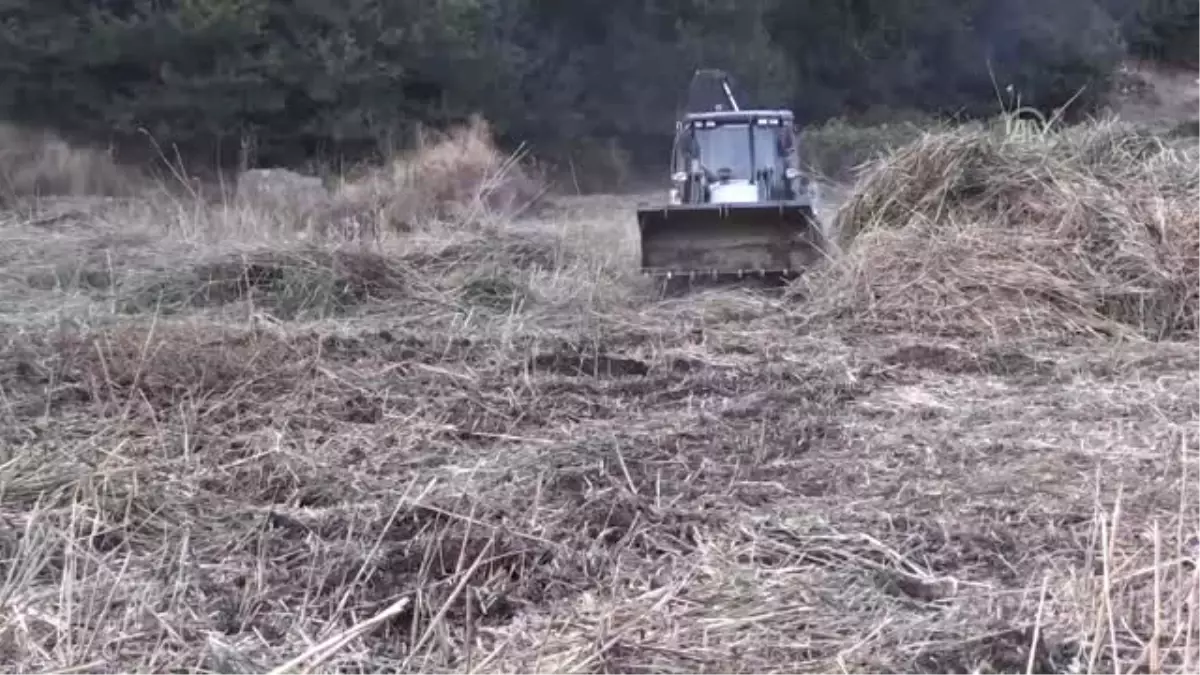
{"points": [[968, 443]]}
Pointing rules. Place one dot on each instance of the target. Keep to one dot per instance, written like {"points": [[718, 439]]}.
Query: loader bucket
{"points": [[729, 240]]}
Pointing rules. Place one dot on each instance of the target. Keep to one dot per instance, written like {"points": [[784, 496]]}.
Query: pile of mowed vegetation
{"points": [[1012, 228]]}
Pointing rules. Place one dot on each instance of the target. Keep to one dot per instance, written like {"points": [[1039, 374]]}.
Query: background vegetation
{"points": [[338, 78]]}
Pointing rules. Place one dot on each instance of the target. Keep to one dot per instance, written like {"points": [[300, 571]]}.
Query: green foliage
{"points": [[305, 77], [945, 56], [836, 148], [1162, 30]]}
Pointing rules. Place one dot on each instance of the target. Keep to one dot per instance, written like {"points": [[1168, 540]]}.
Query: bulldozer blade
{"points": [[729, 240]]}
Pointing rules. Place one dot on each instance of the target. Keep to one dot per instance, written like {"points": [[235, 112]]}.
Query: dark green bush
{"points": [[303, 79]]}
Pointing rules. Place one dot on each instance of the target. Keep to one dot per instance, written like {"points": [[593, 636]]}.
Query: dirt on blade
{"points": [[483, 444]]}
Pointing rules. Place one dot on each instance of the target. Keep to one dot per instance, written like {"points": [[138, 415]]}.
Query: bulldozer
{"points": [[739, 204]]}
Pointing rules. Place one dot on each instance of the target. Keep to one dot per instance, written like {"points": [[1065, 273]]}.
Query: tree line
{"points": [[308, 77]]}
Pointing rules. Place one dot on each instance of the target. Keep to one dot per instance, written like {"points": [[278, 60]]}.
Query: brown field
{"points": [[233, 442]]}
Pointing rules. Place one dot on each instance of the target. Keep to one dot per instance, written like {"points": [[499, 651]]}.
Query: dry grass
{"points": [[1020, 230], [836, 149], [455, 176], [450, 180], [490, 449], [39, 163]]}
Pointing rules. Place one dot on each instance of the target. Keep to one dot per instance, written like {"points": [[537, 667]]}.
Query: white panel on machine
{"points": [[734, 192]]}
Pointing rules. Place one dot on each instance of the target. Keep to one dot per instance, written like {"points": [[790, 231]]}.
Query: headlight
{"points": [[679, 177], [791, 173]]}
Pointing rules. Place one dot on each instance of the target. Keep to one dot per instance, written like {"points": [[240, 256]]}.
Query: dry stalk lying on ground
{"points": [[537, 505], [1091, 229]]}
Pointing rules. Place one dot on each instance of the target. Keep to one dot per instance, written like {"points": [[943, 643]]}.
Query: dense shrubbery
{"points": [[1161, 30], [309, 78]]}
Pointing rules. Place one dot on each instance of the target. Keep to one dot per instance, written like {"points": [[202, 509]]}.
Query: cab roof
{"points": [[726, 116]]}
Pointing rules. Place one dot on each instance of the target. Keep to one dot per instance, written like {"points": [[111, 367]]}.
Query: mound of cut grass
{"points": [[456, 176], [490, 268], [1019, 230]]}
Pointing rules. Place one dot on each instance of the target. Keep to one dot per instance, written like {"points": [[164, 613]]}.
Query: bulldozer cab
{"points": [[739, 204], [728, 157]]}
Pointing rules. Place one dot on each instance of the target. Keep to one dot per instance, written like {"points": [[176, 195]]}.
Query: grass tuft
{"points": [[39, 164]]}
